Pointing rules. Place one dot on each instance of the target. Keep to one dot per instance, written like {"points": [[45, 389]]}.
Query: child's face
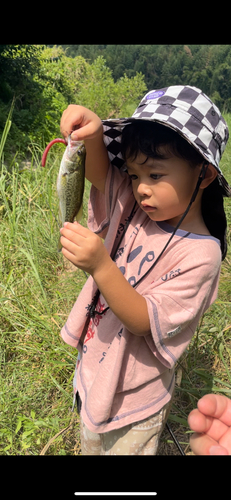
{"points": [[163, 188]]}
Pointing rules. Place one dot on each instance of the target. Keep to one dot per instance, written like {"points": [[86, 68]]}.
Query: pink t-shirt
{"points": [[124, 378]]}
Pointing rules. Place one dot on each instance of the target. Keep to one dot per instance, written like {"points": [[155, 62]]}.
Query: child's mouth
{"points": [[148, 208]]}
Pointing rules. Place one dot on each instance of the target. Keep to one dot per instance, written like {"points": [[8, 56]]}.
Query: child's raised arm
{"points": [[85, 125]]}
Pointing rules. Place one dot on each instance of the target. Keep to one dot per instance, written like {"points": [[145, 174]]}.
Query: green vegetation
{"points": [[44, 81], [37, 287], [205, 66], [37, 290]]}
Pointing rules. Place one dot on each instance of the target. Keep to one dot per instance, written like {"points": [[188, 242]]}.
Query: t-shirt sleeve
{"points": [[178, 299]]}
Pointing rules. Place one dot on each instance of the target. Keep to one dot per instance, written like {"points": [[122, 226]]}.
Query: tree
{"points": [[44, 80], [101, 94], [18, 66]]}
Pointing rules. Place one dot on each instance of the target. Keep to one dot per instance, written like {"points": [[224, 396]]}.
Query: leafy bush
{"points": [[47, 81]]}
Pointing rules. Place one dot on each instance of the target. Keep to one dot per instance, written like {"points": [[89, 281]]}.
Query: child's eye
{"points": [[133, 177], [155, 176]]}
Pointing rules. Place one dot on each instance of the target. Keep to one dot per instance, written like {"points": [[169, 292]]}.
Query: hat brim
{"points": [[112, 132]]}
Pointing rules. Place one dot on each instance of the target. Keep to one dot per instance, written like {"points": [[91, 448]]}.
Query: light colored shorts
{"points": [[139, 438]]}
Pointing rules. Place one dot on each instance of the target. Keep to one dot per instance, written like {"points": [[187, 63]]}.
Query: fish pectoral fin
{"points": [[79, 214], [60, 217]]}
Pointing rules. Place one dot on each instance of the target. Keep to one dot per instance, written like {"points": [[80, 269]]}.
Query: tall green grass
{"points": [[37, 291], [6, 131]]}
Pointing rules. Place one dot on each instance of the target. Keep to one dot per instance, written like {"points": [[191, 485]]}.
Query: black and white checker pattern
{"points": [[185, 109]]}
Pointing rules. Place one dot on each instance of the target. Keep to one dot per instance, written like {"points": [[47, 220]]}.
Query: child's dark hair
{"points": [[148, 137]]}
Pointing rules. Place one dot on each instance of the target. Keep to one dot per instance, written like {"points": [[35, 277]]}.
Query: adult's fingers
{"points": [[202, 444], [213, 427], [216, 406], [198, 422]]}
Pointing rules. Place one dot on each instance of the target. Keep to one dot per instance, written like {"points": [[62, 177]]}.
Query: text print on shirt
{"points": [[171, 275]]}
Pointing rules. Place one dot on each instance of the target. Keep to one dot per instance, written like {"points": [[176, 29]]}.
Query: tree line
{"points": [[205, 66], [109, 79], [43, 80]]}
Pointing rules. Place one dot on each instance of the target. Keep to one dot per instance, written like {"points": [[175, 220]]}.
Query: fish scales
{"points": [[74, 196], [70, 183]]}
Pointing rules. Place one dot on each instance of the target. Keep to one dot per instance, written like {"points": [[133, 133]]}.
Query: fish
{"points": [[70, 181]]}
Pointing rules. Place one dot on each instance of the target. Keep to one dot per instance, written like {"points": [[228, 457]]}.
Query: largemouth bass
{"points": [[70, 182]]}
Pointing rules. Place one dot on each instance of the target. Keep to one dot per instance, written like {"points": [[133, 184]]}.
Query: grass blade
{"points": [[36, 274], [6, 130]]}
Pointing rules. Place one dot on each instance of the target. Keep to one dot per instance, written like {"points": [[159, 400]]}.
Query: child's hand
{"points": [[84, 125], [83, 248], [80, 122], [212, 424]]}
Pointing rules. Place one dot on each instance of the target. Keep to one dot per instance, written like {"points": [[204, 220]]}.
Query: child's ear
{"points": [[210, 175]]}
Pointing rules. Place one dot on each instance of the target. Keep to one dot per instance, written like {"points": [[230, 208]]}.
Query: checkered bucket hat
{"points": [[186, 110]]}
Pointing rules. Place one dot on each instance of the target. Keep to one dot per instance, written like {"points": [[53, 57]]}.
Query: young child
{"points": [[150, 280]]}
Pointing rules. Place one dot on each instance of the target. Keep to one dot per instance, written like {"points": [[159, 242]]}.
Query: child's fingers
{"points": [[68, 243], [70, 238], [80, 122], [71, 119], [76, 228], [69, 255], [86, 132]]}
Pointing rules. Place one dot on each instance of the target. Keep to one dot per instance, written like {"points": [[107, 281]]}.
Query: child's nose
{"points": [[143, 189]]}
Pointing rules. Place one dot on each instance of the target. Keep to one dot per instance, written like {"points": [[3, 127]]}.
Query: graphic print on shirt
{"points": [[94, 321], [123, 225], [120, 250], [136, 256], [105, 352]]}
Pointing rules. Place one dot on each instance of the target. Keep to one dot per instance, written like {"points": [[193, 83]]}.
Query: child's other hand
{"points": [[83, 248], [80, 122], [212, 425]]}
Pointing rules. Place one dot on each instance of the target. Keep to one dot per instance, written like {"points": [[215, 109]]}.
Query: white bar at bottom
{"points": [[112, 493]]}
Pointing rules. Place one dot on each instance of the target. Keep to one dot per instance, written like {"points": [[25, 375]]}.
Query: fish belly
{"points": [[70, 192]]}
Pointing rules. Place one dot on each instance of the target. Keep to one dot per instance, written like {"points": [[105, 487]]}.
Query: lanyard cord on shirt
{"points": [[92, 310]]}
